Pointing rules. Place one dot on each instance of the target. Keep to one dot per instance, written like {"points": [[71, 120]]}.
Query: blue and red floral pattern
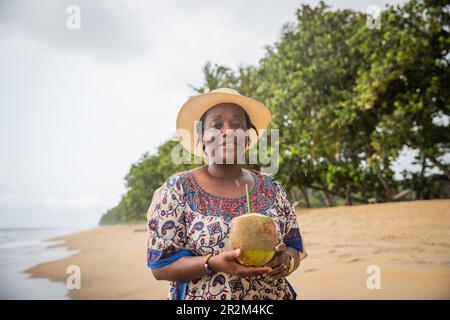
{"points": [[186, 220]]}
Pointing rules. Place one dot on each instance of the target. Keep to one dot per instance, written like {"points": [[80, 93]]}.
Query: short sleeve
{"points": [[166, 227], [292, 236]]}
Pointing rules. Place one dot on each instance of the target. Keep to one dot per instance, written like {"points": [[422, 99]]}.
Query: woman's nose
{"points": [[226, 129], [227, 132]]}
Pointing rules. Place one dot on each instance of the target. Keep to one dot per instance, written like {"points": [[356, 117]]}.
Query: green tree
{"points": [[404, 85]]}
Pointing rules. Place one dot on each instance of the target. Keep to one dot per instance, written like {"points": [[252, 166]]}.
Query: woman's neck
{"points": [[225, 171]]}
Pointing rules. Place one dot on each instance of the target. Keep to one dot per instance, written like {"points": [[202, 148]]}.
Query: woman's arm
{"points": [[183, 269], [189, 268], [296, 255], [292, 243], [281, 260]]}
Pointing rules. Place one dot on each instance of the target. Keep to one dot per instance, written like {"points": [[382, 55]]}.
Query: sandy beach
{"points": [[408, 241]]}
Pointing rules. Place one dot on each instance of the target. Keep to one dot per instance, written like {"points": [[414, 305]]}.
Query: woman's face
{"points": [[224, 135]]}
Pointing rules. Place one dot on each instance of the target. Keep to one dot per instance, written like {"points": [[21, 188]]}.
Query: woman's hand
{"points": [[226, 262], [279, 263]]}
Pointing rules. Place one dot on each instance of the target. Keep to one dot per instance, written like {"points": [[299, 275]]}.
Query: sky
{"points": [[79, 106]]}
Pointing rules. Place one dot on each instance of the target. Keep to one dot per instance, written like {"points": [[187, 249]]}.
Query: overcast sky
{"points": [[78, 107]]}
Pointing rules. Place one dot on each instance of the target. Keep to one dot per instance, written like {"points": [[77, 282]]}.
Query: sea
{"points": [[23, 248]]}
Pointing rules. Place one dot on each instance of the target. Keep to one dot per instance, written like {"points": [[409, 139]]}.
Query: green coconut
{"points": [[256, 235]]}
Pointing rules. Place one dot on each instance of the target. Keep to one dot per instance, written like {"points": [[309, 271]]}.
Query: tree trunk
{"points": [[327, 199], [433, 159], [441, 166], [305, 196], [419, 187], [348, 198], [380, 177], [385, 184], [363, 194]]}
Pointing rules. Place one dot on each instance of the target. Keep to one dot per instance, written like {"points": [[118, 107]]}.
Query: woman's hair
{"points": [[201, 124]]}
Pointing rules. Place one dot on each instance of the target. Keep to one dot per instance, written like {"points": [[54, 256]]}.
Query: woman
{"points": [[189, 218]]}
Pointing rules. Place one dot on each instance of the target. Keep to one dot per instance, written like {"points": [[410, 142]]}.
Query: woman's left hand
{"points": [[279, 263]]}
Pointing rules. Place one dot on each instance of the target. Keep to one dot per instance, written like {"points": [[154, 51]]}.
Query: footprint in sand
{"points": [[310, 270], [354, 260]]}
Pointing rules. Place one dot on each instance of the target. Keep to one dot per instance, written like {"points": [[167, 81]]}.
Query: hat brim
{"points": [[192, 110]]}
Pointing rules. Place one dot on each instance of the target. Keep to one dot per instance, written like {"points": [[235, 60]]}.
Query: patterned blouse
{"points": [[186, 220]]}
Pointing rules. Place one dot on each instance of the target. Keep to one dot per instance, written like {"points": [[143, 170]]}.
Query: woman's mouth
{"points": [[229, 145]]}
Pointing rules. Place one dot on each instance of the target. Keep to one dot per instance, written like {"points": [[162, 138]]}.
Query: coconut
{"points": [[256, 235]]}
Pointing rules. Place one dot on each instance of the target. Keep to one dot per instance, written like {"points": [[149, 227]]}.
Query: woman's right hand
{"points": [[226, 262]]}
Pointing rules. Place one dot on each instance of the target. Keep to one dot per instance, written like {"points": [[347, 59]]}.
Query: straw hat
{"points": [[192, 110]]}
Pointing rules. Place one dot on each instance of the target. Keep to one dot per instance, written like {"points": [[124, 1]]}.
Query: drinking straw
{"points": [[249, 207]]}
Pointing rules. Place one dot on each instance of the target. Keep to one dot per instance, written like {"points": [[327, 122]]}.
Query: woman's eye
{"points": [[238, 125], [216, 125]]}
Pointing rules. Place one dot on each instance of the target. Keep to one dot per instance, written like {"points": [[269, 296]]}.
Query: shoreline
{"points": [[103, 263], [409, 241], [22, 248]]}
